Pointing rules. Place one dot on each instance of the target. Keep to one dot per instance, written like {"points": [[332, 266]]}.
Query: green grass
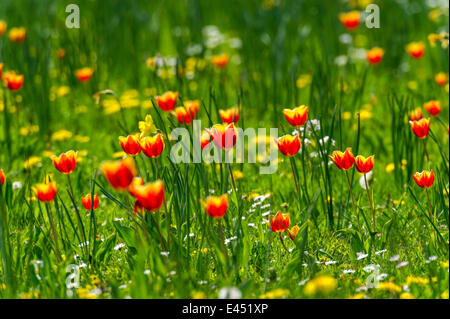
{"points": [[280, 42]]}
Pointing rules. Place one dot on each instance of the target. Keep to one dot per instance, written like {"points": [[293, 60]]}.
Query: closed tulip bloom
{"points": [[288, 145], [13, 81], [3, 26], [182, 115], [223, 135], [350, 20], [297, 116], [66, 162], [293, 231], [279, 223], [441, 78], [433, 107], [119, 174], [205, 138], [84, 74], [130, 144], [167, 101], [420, 128], [416, 114], [416, 49], [364, 165], [424, 179], [152, 146], [45, 192], [192, 107], [230, 115], [150, 196], [344, 160], [220, 60], [2, 177], [17, 35], [87, 201], [375, 55], [216, 206]]}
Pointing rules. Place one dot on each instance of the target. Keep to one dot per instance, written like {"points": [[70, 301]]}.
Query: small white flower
{"points": [[230, 293]]}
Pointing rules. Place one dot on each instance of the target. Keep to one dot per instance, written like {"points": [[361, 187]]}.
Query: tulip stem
{"points": [[429, 204], [353, 200], [80, 222], [232, 177], [370, 202], [70, 187], [165, 206], [55, 235], [222, 238], [282, 242], [425, 151], [295, 177]]}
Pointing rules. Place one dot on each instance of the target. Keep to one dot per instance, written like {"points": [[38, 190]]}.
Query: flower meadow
{"points": [[353, 120]]}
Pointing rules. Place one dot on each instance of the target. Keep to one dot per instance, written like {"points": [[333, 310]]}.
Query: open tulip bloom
{"points": [[425, 179]]}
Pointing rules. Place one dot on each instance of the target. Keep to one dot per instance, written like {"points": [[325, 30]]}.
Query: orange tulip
{"points": [[216, 206], [416, 114], [288, 145], [2, 177], [167, 101], [84, 74], [424, 179], [297, 116], [119, 174], [230, 115], [350, 20], [45, 192], [204, 139], [441, 78], [87, 201], [182, 115], [279, 223], [3, 26], [192, 107], [220, 60], [420, 128], [130, 144], [375, 55], [150, 196], [416, 49], [223, 135], [17, 35], [66, 162], [364, 165], [293, 231], [344, 160], [152, 146], [1, 69], [13, 81], [433, 107]]}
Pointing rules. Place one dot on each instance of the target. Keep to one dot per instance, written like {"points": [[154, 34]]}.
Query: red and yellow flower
{"points": [[87, 201], [420, 128], [192, 107], [17, 35], [350, 20], [130, 144], [223, 135], [13, 80], [416, 115], [149, 196], [297, 116], [375, 55], [433, 107], [119, 174], [65, 162], [293, 231], [182, 115], [167, 101], [416, 49], [279, 223], [152, 146], [288, 145], [220, 60], [3, 26], [424, 179], [45, 192], [441, 78], [230, 115], [205, 138], [364, 165], [2, 177], [216, 206], [84, 74], [344, 160]]}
